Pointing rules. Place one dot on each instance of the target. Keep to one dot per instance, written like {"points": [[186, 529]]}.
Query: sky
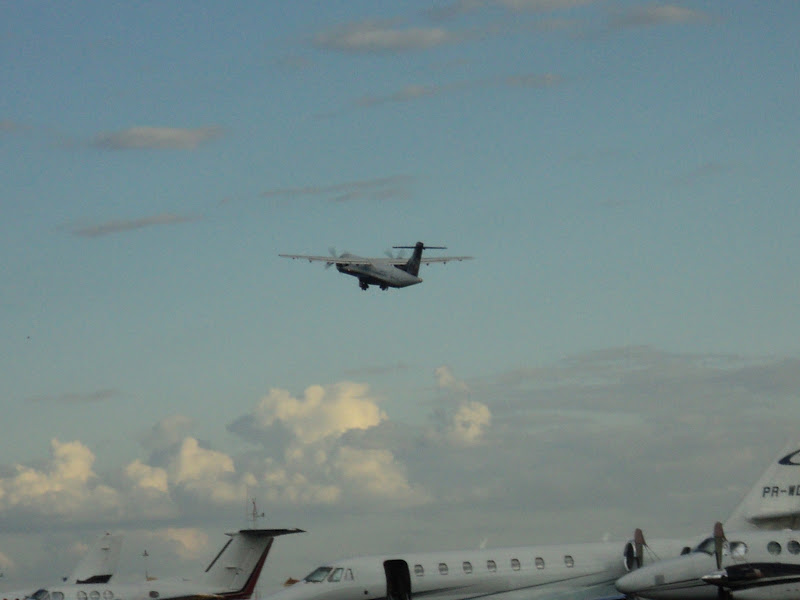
{"points": [[622, 352]]}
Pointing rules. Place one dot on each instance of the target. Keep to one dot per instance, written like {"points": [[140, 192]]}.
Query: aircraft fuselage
{"points": [[382, 275], [574, 571]]}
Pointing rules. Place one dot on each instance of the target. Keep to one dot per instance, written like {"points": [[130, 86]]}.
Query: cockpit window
{"points": [[40, 595], [319, 574], [336, 575], [706, 546]]}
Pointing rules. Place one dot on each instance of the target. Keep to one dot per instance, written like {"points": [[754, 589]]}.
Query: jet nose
{"points": [[633, 582]]}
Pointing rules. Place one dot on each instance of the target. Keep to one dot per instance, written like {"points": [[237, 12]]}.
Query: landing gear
{"points": [[363, 285]]}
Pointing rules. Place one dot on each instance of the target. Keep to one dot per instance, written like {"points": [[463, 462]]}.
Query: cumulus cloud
{"points": [[150, 138], [187, 542], [207, 474], [322, 411], [120, 226], [469, 423], [66, 486], [374, 37]]}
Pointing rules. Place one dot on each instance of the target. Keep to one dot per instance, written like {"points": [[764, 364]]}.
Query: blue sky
{"points": [[623, 172]]}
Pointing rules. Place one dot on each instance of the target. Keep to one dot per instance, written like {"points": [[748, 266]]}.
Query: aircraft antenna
{"points": [[254, 515]]}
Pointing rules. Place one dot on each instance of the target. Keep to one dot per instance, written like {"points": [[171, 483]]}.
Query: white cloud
{"points": [[322, 411], [148, 478], [378, 474], [469, 423], [187, 542], [207, 474], [67, 486], [446, 380], [146, 138]]}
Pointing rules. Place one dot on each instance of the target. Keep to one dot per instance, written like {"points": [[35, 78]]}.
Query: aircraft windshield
{"points": [[319, 574], [39, 595], [706, 546]]}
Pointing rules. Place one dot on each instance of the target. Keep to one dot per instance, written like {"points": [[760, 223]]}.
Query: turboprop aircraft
{"points": [[96, 567], [384, 272], [232, 575], [575, 571], [747, 564]]}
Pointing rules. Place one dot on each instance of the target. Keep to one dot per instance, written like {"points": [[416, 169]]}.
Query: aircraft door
{"points": [[398, 580]]}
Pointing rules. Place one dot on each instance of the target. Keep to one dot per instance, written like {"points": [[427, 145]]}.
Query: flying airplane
{"points": [[96, 567], [749, 564], [553, 572], [232, 575], [384, 272]]}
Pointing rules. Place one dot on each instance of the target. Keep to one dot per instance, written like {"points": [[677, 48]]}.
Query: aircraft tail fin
{"points": [[412, 264], [235, 570], [100, 561], [774, 501]]}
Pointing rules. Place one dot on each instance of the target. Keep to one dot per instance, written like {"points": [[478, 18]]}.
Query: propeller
{"points": [[332, 252], [638, 546], [719, 543]]}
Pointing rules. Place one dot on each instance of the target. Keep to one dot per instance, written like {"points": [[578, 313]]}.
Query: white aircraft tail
{"points": [[235, 570], [100, 561], [774, 501]]}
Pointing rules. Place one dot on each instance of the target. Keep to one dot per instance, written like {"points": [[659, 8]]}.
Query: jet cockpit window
{"points": [[319, 574], [40, 595], [336, 576], [706, 546], [348, 575]]}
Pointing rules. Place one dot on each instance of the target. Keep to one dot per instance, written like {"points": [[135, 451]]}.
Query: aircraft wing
{"points": [[345, 260], [426, 260]]}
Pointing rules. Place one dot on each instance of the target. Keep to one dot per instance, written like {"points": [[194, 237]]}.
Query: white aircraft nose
{"points": [[634, 582]]}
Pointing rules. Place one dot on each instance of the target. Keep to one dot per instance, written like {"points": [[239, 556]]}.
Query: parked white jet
{"points": [[745, 565], [574, 571], [96, 567], [232, 575], [749, 564], [383, 272]]}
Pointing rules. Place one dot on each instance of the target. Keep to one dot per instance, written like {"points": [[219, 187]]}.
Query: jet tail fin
{"points": [[235, 570], [774, 501], [100, 561]]}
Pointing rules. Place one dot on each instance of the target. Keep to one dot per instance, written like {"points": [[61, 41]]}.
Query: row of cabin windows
{"points": [[775, 548], [491, 566], [81, 595]]}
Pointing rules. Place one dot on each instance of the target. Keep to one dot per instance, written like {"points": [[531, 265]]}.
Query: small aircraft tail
{"points": [[412, 265], [100, 561], [774, 501], [235, 570]]}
